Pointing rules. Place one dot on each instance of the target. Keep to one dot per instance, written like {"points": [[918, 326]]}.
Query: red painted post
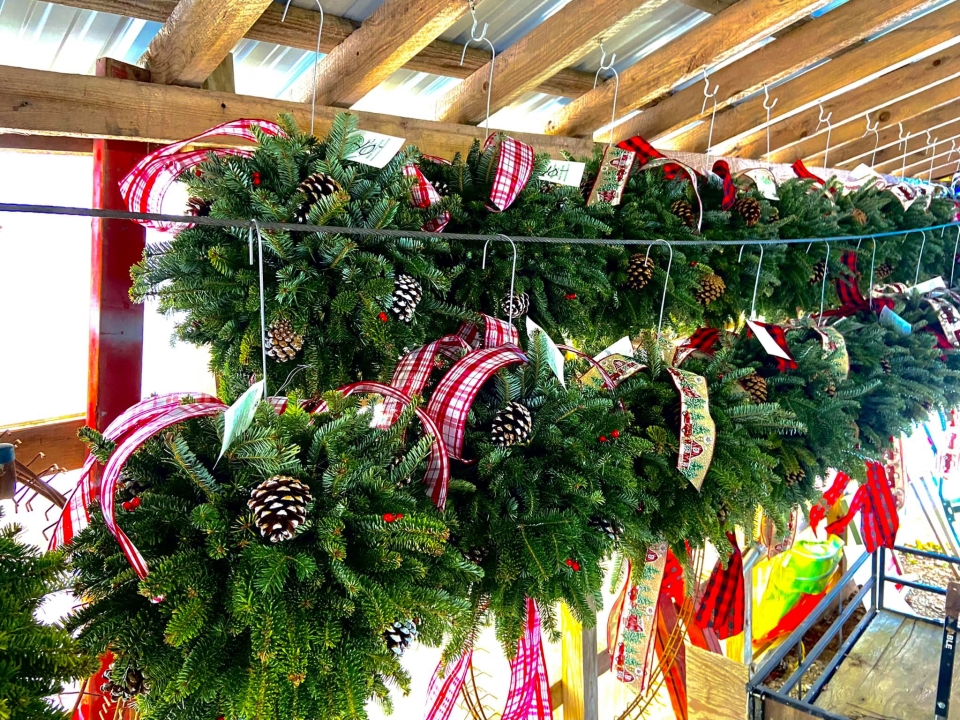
{"points": [[116, 323]]}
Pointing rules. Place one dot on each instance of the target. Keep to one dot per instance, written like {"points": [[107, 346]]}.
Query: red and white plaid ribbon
{"points": [[413, 371], [437, 476], [75, 516], [446, 685], [145, 187], [424, 195], [514, 168]]}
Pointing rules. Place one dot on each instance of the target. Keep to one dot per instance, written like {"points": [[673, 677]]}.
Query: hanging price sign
{"points": [[376, 149], [564, 172]]}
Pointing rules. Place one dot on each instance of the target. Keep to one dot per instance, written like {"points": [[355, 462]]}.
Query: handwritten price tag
{"points": [[564, 172], [376, 149]]}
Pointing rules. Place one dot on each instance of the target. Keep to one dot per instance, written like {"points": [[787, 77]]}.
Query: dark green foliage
{"points": [[247, 628], [35, 659]]}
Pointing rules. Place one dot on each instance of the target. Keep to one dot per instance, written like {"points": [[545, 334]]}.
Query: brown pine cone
{"points": [[749, 210], [756, 387], [684, 210], [711, 288]]}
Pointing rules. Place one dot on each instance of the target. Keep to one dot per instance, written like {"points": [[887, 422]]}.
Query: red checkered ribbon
{"points": [[529, 695], [779, 336], [145, 187], [437, 476], [801, 171], [831, 495], [722, 170], [495, 333], [703, 341], [722, 606], [75, 516], [852, 300], [645, 152], [424, 195], [879, 520], [514, 168]]}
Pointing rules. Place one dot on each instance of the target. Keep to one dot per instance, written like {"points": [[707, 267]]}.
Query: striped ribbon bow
{"points": [[513, 170]]}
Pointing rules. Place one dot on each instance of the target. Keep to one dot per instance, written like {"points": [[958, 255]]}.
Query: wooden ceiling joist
{"points": [[395, 32], [299, 31], [918, 160], [947, 169], [918, 149], [561, 40], [793, 51], [49, 103], [898, 95], [871, 60], [722, 36], [946, 116], [197, 37]]}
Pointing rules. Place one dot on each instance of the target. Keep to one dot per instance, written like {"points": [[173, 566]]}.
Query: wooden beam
{"points": [[902, 93], [919, 153], [46, 144], [795, 50], [559, 41], [722, 36], [946, 169], [395, 32], [871, 60], [56, 439], [300, 31], [709, 6], [196, 38], [49, 103]]}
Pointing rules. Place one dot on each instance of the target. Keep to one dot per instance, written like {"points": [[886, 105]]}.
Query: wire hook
{"points": [[823, 286], [923, 244], [876, 131], [616, 88], [768, 106], [513, 270], [953, 264], [707, 95], [316, 61], [826, 121], [905, 139], [756, 284], [482, 38], [666, 280]]}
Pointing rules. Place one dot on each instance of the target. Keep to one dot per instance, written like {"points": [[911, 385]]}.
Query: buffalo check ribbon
{"points": [[773, 339], [831, 496], [722, 170], [145, 187], [75, 515], [722, 605], [852, 300], [514, 167], [424, 195], [703, 342], [801, 172], [879, 520]]}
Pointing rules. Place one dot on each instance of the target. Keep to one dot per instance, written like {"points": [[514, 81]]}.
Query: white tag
{"points": [[554, 356], [238, 416], [376, 149], [930, 285], [767, 341], [623, 346], [766, 183], [890, 320], [564, 172]]}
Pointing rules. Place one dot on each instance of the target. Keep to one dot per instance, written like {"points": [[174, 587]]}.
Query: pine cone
{"points": [[607, 527], [831, 389], [883, 271], [711, 288], [315, 187], [749, 210], [511, 426], [442, 188], [198, 207], [279, 505], [794, 477], [476, 556], [130, 487], [515, 306], [818, 271], [723, 514], [756, 387], [858, 216], [639, 271], [774, 214], [283, 342], [684, 210], [400, 636], [127, 687], [406, 296], [886, 366]]}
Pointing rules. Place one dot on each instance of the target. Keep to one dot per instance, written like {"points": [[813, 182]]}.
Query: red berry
{"points": [[571, 296], [693, 264], [569, 562], [603, 438], [383, 317], [576, 566], [135, 503], [126, 505], [256, 178], [615, 434], [399, 516], [389, 517]]}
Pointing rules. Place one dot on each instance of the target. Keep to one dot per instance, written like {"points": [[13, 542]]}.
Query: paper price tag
{"points": [[765, 181], [376, 149], [239, 416], [555, 356], [890, 320], [564, 172]]}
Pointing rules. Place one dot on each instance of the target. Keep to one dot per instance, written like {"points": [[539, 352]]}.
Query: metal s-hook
{"points": [[616, 88], [823, 286], [876, 131], [923, 244], [905, 139], [873, 262], [316, 61], [933, 155], [756, 284], [482, 38], [707, 95], [953, 264], [666, 280], [825, 120], [513, 270], [768, 106], [255, 227]]}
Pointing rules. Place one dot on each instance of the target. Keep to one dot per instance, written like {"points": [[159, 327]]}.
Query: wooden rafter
{"points": [[869, 61], [861, 150], [918, 149], [395, 32], [722, 36], [300, 31], [946, 168], [558, 42], [918, 158], [892, 98], [49, 103], [796, 49], [709, 6], [197, 36]]}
